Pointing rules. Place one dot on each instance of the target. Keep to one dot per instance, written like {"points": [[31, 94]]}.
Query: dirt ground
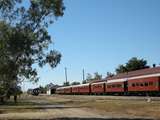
{"points": [[72, 107]]}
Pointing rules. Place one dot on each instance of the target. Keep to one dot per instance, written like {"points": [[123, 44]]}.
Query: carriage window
{"points": [[119, 85], [133, 85], [146, 84], [155, 83], [100, 86], [150, 83], [141, 84], [137, 84]]}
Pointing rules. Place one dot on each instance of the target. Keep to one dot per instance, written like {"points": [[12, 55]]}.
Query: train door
{"points": [[89, 89], [53, 90], [104, 88], [159, 84], [125, 87]]}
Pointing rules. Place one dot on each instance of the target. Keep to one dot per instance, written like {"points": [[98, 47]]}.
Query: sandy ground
{"points": [[69, 107]]}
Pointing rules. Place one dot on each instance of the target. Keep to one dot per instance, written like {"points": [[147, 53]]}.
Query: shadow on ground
{"points": [[39, 107], [95, 119]]}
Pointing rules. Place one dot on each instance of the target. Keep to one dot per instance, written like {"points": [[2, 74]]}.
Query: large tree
{"points": [[133, 64], [24, 40]]}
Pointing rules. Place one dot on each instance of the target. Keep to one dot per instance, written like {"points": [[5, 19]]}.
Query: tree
{"points": [[109, 74], [121, 69], [75, 83], [84, 81], [42, 89], [133, 64], [66, 84], [89, 77], [97, 76], [24, 40]]}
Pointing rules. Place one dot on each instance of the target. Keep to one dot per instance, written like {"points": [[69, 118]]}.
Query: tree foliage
{"points": [[75, 83], [66, 84], [84, 81], [109, 74], [42, 89], [90, 77], [133, 64], [24, 40], [97, 76]]}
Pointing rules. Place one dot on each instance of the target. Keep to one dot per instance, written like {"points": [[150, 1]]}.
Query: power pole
{"points": [[83, 75], [65, 69]]}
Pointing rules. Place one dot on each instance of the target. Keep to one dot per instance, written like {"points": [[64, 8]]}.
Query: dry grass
{"points": [[114, 105], [36, 107], [126, 107]]}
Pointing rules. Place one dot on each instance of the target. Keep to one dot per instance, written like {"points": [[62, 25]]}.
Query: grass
{"points": [[123, 106], [138, 108], [25, 104], [103, 105]]}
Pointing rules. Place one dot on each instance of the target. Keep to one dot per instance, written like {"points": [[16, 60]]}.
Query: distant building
{"points": [[51, 88]]}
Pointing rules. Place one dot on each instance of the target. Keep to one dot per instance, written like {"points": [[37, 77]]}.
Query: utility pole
{"points": [[83, 75], [65, 69]]}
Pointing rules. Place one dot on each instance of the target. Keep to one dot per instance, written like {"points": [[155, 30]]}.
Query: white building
{"points": [[51, 89]]}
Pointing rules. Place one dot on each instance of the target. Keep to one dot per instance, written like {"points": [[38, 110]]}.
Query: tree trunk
{"points": [[8, 97], [2, 100], [15, 98]]}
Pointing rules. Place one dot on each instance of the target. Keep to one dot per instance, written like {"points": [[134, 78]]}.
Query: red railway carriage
{"points": [[75, 89], [144, 83], [116, 86], [84, 88], [67, 90], [60, 90], [98, 87], [137, 82]]}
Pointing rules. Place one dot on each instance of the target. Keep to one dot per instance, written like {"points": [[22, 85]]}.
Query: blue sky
{"points": [[98, 35]]}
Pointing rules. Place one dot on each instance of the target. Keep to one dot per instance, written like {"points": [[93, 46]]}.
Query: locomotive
{"points": [[34, 92], [139, 82]]}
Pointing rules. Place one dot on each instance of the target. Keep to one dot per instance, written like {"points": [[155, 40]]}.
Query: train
{"points": [[138, 82], [34, 92]]}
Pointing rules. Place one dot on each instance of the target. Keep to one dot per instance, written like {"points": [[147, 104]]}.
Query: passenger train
{"points": [[139, 82]]}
